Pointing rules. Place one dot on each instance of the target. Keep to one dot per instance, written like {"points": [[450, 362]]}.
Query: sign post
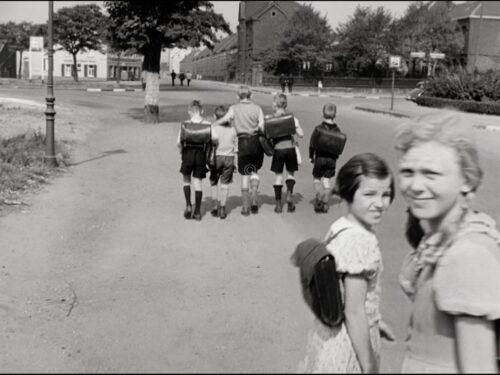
{"points": [[394, 63], [50, 113]]}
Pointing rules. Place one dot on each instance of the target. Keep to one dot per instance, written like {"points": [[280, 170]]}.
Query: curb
{"points": [[114, 90], [402, 115], [319, 95]]}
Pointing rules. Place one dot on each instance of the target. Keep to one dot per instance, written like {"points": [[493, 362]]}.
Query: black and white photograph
{"points": [[249, 187]]}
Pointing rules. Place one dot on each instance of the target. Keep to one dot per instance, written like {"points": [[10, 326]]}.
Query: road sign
{"points": [[420, 55], [395, 62], [437, 56]]}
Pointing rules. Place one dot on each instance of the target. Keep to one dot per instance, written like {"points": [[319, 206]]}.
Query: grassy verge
{"points": [[22, 164]]}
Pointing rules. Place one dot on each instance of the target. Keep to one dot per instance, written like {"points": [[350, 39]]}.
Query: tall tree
{"points": [[17, 36], [148, 27], [429, 28], [79, 29], [307, 37], [367, 39]]}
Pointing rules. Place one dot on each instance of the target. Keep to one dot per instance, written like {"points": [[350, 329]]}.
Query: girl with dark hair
{"points": [[366, 184]]}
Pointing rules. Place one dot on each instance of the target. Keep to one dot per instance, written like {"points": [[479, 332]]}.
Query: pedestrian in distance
{"points": [[290, 82], [189, 76], [326, 145], [182, 77], [285, 154], [452, 275], [173, 75], [365, 183], [193, 139], [248, 121], [283, 82], [226, 151]]}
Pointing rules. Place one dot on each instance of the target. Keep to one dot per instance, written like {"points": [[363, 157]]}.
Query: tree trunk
{"points": [[118, 69], [151, 69], [74, 69], [20, 64]]}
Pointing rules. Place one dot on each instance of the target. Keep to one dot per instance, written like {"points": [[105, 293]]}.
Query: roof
{"points": [[473, 9], [227, 43], [254, 9]]}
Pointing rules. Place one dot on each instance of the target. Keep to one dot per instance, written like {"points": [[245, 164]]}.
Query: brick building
{"points": [[260, 24], [480, 23]]}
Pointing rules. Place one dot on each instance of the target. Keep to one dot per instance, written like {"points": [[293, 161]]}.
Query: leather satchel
{"points": [[196, 133], [329, 141], [279, 126], [266, 145]]}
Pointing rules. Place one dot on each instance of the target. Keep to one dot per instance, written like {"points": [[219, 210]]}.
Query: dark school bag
{"points": [[196, 133], [320, 281], [279, 126], [330, 141]]}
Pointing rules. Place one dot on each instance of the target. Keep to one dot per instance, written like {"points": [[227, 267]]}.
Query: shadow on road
{"points": [[102, 155]]}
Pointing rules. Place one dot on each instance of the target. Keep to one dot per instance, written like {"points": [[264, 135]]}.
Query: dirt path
{"points": [[100, 272]]}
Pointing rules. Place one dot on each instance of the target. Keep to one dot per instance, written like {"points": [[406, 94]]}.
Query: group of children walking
{"points": [[235, 141]]}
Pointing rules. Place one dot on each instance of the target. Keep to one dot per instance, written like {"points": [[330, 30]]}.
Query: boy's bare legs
{"points": [[326, 194], [187, 196], [215, 205], [224, 190], [278, 188], [198, 193], [245, 195], [254, 188], [318, 190], [290, 183]]}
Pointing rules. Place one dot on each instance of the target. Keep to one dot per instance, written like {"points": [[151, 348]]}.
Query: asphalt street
{"points": [[103, 274]]}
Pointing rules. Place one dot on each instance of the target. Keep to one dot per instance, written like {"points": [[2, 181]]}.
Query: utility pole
{"points": [[50, 113]]}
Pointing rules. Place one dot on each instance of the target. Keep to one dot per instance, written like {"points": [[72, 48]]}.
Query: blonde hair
{"points": [[244, 92], [329, 111], [280, 101], [449, 129]]}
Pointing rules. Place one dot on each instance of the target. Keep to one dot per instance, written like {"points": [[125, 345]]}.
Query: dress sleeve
{"points": [[355, 253], [467, 280]]}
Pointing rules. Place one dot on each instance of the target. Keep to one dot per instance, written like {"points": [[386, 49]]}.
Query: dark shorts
{"points": [[250, 155], [224, 167], [284, 157], [194, 162], [324, 167]]}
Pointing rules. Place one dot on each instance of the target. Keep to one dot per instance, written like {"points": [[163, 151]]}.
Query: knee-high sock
{"points": [[277, 192], [289, 187], [187, 194], [197, 201]]}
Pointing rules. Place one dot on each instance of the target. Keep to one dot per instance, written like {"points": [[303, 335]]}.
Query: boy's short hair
{"points": [[220, 111], [329, 111], [280, 101], [195, 106], [244, 92]]}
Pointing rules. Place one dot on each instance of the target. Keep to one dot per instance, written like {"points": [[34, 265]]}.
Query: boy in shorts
{"points": [[194, 161], [285, 156], [225, 162], [324, 162]]}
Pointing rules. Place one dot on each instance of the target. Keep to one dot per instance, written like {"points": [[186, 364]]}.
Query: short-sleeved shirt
{"points": [[227, 141], [357, 252], [247, 117], [465, 280]]}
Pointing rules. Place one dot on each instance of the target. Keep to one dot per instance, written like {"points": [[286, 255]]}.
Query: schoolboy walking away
{"points": [[193, 140], [248, 120], [282, 128], [226, 150], [326, 145]]}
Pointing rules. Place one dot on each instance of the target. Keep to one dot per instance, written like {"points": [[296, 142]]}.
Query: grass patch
{"points": [[22, 164]]}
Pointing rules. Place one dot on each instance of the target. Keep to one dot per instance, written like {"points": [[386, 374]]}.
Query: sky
{"points": [[335, 11]]}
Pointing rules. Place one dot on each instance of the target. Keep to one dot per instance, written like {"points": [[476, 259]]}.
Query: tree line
{"points": [[307, 45]]}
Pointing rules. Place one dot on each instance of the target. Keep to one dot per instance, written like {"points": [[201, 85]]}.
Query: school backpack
{"points": [[320, 281], [331, 141]]}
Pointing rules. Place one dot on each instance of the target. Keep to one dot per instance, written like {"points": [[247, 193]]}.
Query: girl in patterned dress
{"points": [[366, 184]]}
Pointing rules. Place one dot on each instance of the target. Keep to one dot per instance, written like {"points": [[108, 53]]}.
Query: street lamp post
{"points": [[50, 113]]}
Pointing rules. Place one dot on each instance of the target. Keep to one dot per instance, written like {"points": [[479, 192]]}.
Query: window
{"points": [[273, 13], [67, 70], [328, 67], [91, 71]]}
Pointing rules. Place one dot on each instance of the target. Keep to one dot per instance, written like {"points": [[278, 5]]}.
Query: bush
{"points": [[459, 84], [488, 108]]}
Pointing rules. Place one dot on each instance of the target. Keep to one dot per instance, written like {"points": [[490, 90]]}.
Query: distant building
{"points": [[90, 65], [260, 24], [480, 23], [170, 60]]}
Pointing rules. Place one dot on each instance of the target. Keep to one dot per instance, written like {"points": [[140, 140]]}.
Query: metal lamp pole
{"points": [[50, 113]]}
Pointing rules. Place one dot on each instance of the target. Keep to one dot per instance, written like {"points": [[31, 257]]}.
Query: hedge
{"points": [[487, 108]]}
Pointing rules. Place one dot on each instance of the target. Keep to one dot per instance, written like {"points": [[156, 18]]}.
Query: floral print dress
{"points": [[356, 251]]}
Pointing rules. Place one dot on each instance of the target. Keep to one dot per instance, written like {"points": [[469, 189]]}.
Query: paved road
{"points": [[102, 274]]}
